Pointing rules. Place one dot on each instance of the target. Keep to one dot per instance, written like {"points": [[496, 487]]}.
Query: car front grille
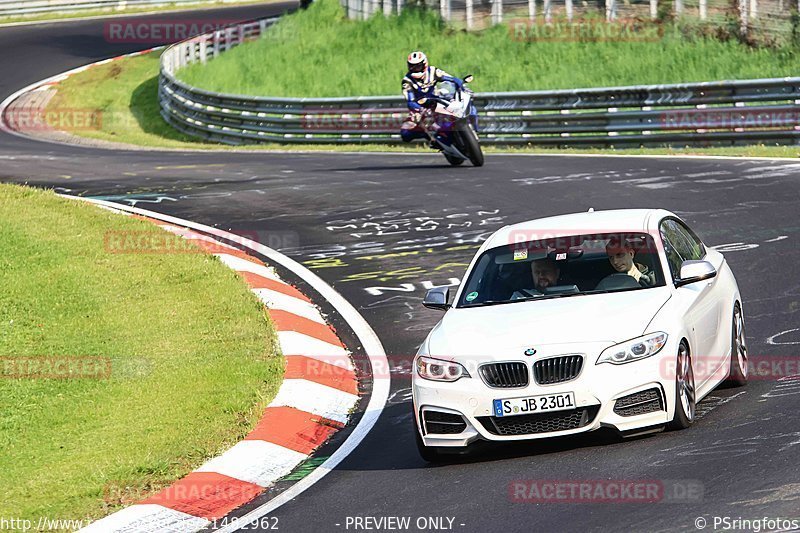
{"points": [[539, 422], [557, 369], [505, 375], [443, 423], [639, 403]]}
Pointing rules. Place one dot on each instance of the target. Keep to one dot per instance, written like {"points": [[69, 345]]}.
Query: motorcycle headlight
{"points": [[439, 370], [634, 349]]}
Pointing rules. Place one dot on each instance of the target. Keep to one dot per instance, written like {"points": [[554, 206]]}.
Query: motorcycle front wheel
{"points": [[469, 140], [454, 161]]}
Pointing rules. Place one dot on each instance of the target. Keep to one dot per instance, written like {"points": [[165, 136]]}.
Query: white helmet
{"points": [[417, 64]]}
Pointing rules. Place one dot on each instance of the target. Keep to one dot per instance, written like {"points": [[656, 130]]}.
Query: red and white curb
{"points": [[49, 83], [316, 398]]}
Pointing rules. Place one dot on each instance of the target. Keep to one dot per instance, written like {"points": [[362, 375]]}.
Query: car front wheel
{"points": [[739, 369], [685, 397]]}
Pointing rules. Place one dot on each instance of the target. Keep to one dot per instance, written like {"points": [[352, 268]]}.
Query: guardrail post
{"points": [[611, 9], [743, 22], [548, 11], [444, 8], [753, 9], [202, 50], [678, 7], [703, 9], [497, 11], [653, 9], [387, 8], [228, 37], [470, 16], [399, 6], [568, 9], [532, 9]]}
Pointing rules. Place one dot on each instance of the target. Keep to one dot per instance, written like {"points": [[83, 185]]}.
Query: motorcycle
{"points": [[456, 119]]}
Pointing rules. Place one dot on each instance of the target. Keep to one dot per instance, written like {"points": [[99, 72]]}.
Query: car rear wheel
{"points": [[739, 369], [685, 397]]}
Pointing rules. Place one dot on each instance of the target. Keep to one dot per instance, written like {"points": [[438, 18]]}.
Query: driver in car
{"points": [[620, 254], [545, 273]]}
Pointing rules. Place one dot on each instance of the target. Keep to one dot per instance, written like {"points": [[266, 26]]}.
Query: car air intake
{"points": [[505, 375], [443, 423], [539, 422], [557, 369], [639, 403]]}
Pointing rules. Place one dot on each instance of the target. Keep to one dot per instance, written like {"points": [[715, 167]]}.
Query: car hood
{"points": [[513, 327]]}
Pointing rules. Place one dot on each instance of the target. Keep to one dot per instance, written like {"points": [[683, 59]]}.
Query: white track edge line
{"points": [[364, 332]]}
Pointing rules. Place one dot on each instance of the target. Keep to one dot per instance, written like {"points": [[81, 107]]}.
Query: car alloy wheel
{"points": [[685, 383], [739, 342]]}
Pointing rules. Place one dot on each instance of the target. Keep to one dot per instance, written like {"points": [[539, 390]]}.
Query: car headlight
{"points": [[634, 349], [438, 370]]}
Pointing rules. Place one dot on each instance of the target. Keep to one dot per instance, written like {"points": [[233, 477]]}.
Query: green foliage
{"points": [[318, 52], [192, 359]]}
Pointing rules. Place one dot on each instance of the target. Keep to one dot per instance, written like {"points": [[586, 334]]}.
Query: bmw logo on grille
{"points": [[530, 351]]}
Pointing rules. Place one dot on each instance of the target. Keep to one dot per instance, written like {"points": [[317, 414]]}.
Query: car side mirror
{"points": [[694, 271], [437, 298], [468, 78]]}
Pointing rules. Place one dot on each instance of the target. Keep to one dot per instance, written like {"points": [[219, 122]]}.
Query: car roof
{"points": [[587, 222]]}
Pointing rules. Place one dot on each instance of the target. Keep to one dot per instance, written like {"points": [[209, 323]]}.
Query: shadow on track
{"points": [[396, 429]]}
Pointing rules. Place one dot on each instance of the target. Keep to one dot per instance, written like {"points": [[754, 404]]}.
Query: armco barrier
{"points": [[709, 113]]}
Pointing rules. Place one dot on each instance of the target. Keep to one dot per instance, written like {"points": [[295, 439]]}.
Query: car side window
{"points": [[673, 258], [686, 243], [680, 244]]}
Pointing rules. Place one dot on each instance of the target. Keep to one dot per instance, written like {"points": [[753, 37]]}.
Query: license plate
{"points": [[534, 404]]}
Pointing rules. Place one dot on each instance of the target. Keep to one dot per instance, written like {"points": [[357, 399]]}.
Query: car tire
{"points": [[428, 453], [435, 454], [739, 370], [685, 391]]}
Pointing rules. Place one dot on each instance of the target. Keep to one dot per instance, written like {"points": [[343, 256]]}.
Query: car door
{"points": [[701, 301]]}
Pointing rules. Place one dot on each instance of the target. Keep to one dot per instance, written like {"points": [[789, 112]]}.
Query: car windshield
{"points": [[563, 266]]}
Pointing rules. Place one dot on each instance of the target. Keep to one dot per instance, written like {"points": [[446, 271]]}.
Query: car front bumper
{"points": [[596, 389]]}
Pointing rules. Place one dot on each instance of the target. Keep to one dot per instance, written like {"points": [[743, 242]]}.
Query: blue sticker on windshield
{"points": [[471, 296]]}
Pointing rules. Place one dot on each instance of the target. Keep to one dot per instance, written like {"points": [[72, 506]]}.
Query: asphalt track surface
{"points": [[402, 222]]}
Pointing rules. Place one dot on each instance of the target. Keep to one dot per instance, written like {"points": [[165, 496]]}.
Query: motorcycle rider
{"points": [[419, 86]]}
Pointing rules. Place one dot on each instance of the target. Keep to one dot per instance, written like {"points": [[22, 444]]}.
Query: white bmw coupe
{"points": [[562, 325]]}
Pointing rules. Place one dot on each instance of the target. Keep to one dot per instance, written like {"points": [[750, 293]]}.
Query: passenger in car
{"points": [[620, 254]]}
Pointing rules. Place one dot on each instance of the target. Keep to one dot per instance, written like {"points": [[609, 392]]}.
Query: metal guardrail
{"points": [[711, 113]]}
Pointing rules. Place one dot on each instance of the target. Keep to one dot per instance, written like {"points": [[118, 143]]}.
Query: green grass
{"points": [[320, 53], [167, 7], [126, 91], [193, 360]]}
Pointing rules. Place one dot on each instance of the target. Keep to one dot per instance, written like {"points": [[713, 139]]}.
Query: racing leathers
{"points": [[417, 91]]}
